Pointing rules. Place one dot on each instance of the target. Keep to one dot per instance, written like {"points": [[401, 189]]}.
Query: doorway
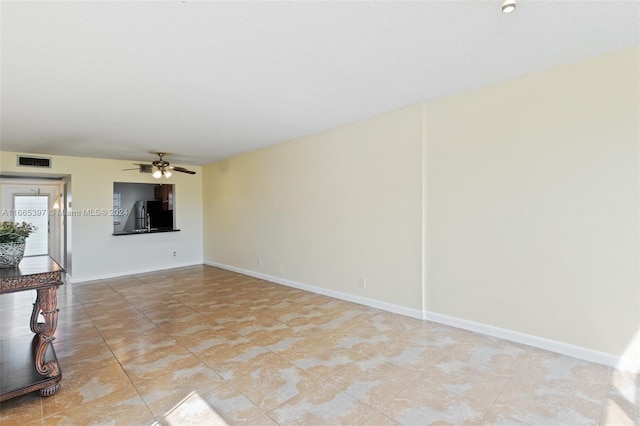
{"points": [[37, 202]]}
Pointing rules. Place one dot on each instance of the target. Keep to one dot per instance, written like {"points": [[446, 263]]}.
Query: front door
{"points": [[34, 203]]}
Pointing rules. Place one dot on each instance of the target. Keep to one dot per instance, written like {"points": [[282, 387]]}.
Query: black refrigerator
{"points": [[149, 214]]}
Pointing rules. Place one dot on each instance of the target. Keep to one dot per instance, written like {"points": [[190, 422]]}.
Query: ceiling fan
{"points": [[161, 167]]}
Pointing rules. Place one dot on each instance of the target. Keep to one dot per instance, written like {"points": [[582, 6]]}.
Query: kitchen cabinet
{"points": [[164, 193]]}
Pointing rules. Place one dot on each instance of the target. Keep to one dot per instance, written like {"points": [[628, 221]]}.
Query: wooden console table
{"points": [[28, 363]]}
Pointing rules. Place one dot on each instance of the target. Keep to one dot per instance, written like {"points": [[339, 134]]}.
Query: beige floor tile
{"points": [[143, 290], [71, 314], [122, 282], [120, 332], [544, 403], [321, 405], [417, 359], [324, 362], [163, 309], [177, 326], [192, 411], [361, 341], [80, 348], [164, 393], [159, 363], [622, 403], [297, 343], [481, 387], [483, 354], [380, 420], [201, 345], [25, 410], [87, 363], [177, 320], [67, 299], [247, 357], [150, 302], [102, 311], [495, 418], [206, 305], [135, 347], [620, 411], [79, 331], [432, 405], [249, 324], [272, 380], [150, 277], [263, 420], [273, 338], [371, 380], [80, 387], [89, 286], [540, 365], [215, 345], [552, 410], [124, 407], [232, 406], [560, 380], [104, 296]]}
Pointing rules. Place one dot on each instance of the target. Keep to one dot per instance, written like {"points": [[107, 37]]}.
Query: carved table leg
{"points": [[47, 301], [36, 327], [50, 390]]}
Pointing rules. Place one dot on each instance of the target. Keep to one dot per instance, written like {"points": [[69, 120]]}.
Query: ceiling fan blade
{"points": [[142, 167], [182, 170], [162, 166]]}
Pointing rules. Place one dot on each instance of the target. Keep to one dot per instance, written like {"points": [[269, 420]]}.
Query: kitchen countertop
{"points": [[144, 231]]}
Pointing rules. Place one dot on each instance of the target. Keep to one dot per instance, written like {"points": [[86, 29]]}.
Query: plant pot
{"points": [[11, 254]]}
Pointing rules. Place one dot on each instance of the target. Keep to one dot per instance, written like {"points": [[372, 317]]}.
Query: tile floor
{"points": [[204, 346]]}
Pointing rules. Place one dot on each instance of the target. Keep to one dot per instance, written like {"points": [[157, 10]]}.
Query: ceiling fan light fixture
{"points": [[508, 6], [161, 167]]}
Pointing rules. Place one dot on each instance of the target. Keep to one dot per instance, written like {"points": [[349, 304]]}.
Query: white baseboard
{"points": [[574, 351], [73, 280], [538, 342], [389, 307]]}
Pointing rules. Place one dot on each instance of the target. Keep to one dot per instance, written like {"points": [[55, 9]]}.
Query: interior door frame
{"points": [[55, 188]]}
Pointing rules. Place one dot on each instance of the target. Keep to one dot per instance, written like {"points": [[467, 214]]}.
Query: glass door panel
{"points": [[34, 209]]}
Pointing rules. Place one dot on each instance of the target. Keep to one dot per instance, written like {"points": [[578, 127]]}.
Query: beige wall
{"points": [[514, 206], [330, 208], [534, 215], [97, 253]]}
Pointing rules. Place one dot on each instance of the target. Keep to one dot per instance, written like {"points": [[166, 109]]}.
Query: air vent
{"points": [[146, 168], [34, 161]]}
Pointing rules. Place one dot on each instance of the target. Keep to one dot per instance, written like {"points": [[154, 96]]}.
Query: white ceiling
{"points": [[207, 80]]}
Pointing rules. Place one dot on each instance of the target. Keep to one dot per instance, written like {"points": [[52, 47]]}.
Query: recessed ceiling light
{"points": [[508, 6]]}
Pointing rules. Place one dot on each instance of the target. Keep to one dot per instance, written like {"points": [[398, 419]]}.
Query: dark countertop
{"points": [[144, 231]]}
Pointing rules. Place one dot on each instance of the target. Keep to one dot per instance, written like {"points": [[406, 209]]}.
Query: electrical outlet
{"points": [[281, 267], [259, 261], [362, 282], [174, 254]]}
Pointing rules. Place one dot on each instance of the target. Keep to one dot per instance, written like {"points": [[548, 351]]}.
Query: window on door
{"points": [[34, 209]]}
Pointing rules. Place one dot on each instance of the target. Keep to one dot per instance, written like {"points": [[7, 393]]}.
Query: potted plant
{"points": [[13, 236]]}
